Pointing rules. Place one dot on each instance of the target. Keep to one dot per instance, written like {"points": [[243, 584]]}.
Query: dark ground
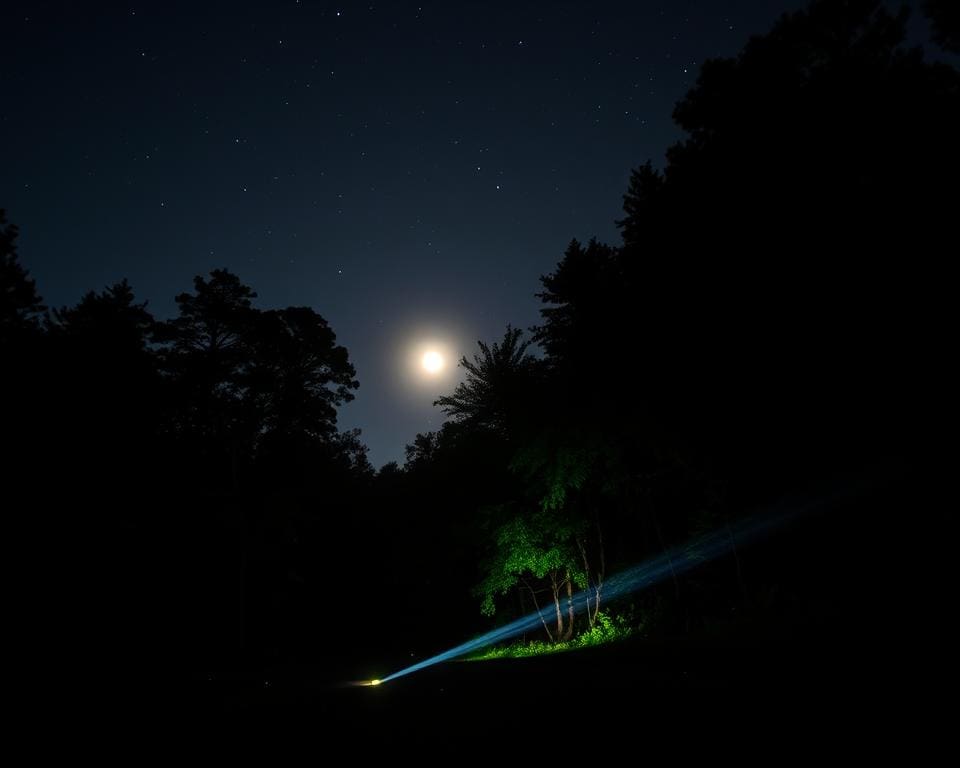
{"points": [[809, 687], [860, 651]]}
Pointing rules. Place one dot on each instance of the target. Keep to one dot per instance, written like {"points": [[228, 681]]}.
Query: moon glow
{"points": [[432, 361], [426, 359]]}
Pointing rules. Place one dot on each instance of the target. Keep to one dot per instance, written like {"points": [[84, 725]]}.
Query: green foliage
{"points": [[531, 545], [558, 462], [607, 629], [558, 468]]}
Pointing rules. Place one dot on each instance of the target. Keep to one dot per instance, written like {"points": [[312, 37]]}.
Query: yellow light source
{"points": [[374, 682], [432, 361]]}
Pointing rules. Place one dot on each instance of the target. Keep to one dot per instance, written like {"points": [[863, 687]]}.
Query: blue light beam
{"points": [[680, 559]]}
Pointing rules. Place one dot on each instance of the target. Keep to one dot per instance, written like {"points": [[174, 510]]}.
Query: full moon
{"points": [[432, 362], [428, 361]]}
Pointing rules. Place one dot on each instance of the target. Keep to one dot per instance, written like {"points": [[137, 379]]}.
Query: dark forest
{"points": [[191, 530]]}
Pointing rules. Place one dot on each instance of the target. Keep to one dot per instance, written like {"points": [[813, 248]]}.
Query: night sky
{"points": [[408, 170]]}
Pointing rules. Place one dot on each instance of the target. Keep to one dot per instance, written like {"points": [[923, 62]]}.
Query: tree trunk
{"points": [[594, 581], [539, 612], [555, 589], [569, 633], [598, 582]]}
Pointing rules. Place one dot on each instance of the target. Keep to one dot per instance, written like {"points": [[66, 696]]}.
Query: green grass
{"points": [[605, 630]]}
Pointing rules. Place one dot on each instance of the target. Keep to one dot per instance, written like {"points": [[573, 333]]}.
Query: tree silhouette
{"points": [[769, 325], [110, 321], [498, 384], [761, 326], [20, 306], [791, 146], [581, 297], [945, 20], [208, 339], [105, 386], [423, 449], [206, 351], [750, 296], [298, 375], [642, 205]]}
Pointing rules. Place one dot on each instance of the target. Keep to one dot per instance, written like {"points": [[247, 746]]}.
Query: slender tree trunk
{"points": [[539, 612], [586, 569], [598, 582], [569, 633], [523, 612], [594, 581], [555, 588]]}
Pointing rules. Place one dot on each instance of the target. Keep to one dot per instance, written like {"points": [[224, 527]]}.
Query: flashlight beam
{"points": [[677, 560]]}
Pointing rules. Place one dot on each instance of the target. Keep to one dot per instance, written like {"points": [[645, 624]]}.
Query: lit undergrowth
{"points": [[606, 629]]}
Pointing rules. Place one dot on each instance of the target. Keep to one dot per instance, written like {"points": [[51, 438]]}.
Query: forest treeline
{"points": [[772, 323]]}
